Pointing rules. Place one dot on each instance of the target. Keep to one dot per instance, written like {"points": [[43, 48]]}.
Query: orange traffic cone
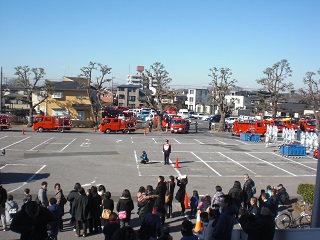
{"points": [[95, 129], [177, 163], [198, 225], [145, 132], [186, 200], [22, 131]]}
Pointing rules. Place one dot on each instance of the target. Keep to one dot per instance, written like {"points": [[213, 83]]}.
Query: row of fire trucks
{"points": [[260, 126]]}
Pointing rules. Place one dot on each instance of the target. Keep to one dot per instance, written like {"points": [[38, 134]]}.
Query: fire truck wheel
{"points": [[61, 130], [40, 129], [1, 129], [127, 131], [107, 130]]}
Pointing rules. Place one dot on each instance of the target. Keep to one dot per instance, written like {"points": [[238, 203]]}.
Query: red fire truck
{"points": [[109, 125], [247, 126], [4, 122], [50, 123], [179, 125], [307, 125]]}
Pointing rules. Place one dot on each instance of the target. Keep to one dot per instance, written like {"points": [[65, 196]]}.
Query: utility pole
{"points": [[1, 92]]}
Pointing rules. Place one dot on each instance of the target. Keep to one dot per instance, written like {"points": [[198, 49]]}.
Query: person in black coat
{"points": [[170, 190], [80, 210], [31, 221], [73, 194], [111, 226], [247, 190], [253, 209], [160, 200], [182, 184], [236, 194], [258, 227], [125, 203], [107, 203], [95, 211]]}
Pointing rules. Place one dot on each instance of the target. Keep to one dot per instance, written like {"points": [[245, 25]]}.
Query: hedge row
{"points": [[82, 124], [307, 192]]}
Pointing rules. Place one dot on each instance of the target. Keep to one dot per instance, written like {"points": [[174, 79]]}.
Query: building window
{"points": [[57, 95], [191, 91], [191, 99], [121, 89], [131, 89], [132, 98], [79, 96], [121, 96]]}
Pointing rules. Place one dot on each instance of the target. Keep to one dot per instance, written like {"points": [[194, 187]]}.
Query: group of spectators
{"points": [[93, 211]]}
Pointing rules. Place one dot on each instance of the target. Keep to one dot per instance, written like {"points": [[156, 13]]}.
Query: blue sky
{"points": [[188, 37]]}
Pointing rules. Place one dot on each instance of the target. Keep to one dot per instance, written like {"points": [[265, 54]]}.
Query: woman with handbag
{"points": [[124, 208], [107, 204], [181, 183], [169, 196], [61, 201]]}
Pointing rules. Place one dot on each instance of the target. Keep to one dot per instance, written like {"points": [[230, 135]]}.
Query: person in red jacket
{"points": [[166, 152]]}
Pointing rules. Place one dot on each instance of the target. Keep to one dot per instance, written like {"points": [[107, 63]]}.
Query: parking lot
{"points": [[94, 158]]}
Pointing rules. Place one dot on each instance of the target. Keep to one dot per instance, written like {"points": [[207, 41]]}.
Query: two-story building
{"points": [[70, 98], [198, 100], [128, 95]]}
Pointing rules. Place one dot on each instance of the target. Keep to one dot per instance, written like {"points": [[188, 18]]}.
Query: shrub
{"points": [[82, 124], [307, 192]]}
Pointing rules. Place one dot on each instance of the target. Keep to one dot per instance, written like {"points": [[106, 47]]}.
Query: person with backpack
{"points": [[11, 207], [282, 194], [61, 201], [248, 190], [218, 197]]}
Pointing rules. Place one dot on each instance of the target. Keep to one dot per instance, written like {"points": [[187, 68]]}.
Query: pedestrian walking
{"points": [[166, 151], [11, 207]]}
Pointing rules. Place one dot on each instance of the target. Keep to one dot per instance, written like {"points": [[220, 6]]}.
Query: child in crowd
{"points": [[11, 207], [204, 218], [194, 201], [144, 157], [27, 196], [186, 231], [204, 203], [53, 227]]}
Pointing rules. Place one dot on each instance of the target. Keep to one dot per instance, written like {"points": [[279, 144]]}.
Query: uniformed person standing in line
{"points": [[166, 152]]}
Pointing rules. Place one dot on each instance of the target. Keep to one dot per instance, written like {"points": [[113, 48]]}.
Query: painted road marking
{"points": [[15, 143], [40, 144], [198, 141], [206, 164], [236, 162], [138, 167], [271, 164], [67, 145], [87, 143], [296, 162]]}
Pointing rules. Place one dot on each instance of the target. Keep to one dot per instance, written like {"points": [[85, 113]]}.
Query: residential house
{"points": [[70, 98], [198, 100], [15, 99]]}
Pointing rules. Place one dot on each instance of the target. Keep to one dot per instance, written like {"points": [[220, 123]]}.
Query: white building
{"points": [[198, 100], [134, 79]]}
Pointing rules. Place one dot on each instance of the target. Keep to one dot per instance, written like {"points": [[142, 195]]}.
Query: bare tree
{"points": [[23, 73], [95, 87], [311, 95], [222, 86], [160, 80], [274, 83]]}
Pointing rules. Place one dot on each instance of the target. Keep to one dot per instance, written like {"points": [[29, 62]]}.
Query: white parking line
{"points": [[67, 145], [236, 162], [138, 167], [296, 162], [242, 142], [154, 140], [39, 144], [271, 164], [43, 166], [3, 137], [206, 164], [15, 143], [174, 167], [219, 141], [177, 141], [198, 141]]}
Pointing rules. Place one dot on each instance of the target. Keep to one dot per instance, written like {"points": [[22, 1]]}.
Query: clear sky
{"points": [[187, 37]]}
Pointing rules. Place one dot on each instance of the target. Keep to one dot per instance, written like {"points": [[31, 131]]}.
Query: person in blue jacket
{"points": [[144, 157]]}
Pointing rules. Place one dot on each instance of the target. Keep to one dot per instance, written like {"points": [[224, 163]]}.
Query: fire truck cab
{"points": [[307, 125], [109, 125], [254, 127], [50, 123], [291, 123], [179, 125], [4, 122]]}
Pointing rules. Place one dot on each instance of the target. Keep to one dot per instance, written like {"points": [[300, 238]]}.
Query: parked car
{"points": [[230, 120], [198, 115]]}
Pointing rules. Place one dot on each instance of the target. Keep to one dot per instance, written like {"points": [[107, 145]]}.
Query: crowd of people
{"points": [[93, 211]]}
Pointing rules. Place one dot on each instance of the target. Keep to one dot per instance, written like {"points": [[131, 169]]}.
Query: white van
{"points": [[184, 113]]}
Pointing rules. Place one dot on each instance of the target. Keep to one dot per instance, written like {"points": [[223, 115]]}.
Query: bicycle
{"points": [[286, 220]]}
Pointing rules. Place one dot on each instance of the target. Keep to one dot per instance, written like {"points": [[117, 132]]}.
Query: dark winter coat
{"points": [[151, 226], [181, 191], [161, 192], [237, 195], [110, 228], [258, 227], [253, 210], [56, 213], [80, 208], [170, 187], [146, 206], [95, 205], [247, 190], [125, 204], [3, 197], [59, 196], [73, 194], [108, 204], [32, 228], [224, 226]]}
